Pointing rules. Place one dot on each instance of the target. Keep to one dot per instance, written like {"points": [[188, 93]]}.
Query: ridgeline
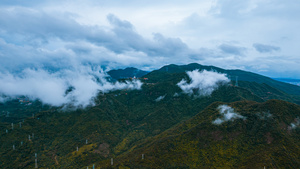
{"points": [[135, 129]]}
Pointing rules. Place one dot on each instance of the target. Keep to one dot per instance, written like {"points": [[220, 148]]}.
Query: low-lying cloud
{"points": [[295, 124], [264, 115], [227, 114], [76, 87], [202, 83], [160, 98], [2, 99]]}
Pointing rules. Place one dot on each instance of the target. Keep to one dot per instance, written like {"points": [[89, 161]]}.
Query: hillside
{"points": [[242, 76], [126, 73], [262, 86], [120, 120], [162, 122], [18, 109], [264, 137], [289, 80]]}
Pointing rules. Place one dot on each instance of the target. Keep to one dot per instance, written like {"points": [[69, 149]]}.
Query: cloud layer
{"points": [[77, 87], [202, 83], [231, 49], [33, 38], [227, 114], [265, 48], [55, 35]]}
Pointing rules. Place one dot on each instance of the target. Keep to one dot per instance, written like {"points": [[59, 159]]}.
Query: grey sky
{"points": [[253, 35]]}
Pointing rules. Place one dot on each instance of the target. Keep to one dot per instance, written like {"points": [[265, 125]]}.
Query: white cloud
{"points": [[3, 99], [35, 38], [220, 33], [160, 98], [227, 114], [51, 88], [264, 115], [176, 95], [202, 82], [295, 124]]}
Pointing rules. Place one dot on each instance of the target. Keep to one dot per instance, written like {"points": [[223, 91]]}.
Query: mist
{"points": [[2, 99], [160, 98], [203, 83], [77, 87], [227, 114], [295, 124], [264, 115]]}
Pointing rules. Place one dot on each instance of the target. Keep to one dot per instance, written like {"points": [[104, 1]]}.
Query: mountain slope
{"points": [[126, 73], [160, 121], [264, 138], [242, 76], [119, 121]]}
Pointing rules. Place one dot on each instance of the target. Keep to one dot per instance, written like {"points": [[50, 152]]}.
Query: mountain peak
{"points": [[126, 73]]}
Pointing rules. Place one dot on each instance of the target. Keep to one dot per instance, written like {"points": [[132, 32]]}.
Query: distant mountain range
{"points": [[126, 73], [253, 122], [288, 80], [234, 75]]}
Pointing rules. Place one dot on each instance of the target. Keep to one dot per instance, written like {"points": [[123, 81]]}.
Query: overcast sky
{"points": [[261, 36]]}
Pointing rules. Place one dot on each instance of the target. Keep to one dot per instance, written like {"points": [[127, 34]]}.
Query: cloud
{"points": [[295, 124], [55, 34], [265, 48], [176, 95], [231, 49], [115, 21], [264, 115], [30, 25], [34, 38], [3, 99], [52, 87], [234, 8], [202, 83], [21, 2], [160, 98], [228, 114]]}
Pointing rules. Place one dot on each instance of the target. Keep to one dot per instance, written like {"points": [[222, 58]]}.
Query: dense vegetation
{"points": [[174, 132], [126, 73], [264, 138]]}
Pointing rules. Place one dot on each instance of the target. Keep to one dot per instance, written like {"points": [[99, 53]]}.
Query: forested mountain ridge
{"points": [[161, 124]]}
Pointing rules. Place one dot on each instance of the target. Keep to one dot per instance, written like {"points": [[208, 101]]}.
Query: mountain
{"points": [[262, 86], [126, 73], [289, 80], [242, 76], [172, 129], [119, 120], [264, 137]]}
